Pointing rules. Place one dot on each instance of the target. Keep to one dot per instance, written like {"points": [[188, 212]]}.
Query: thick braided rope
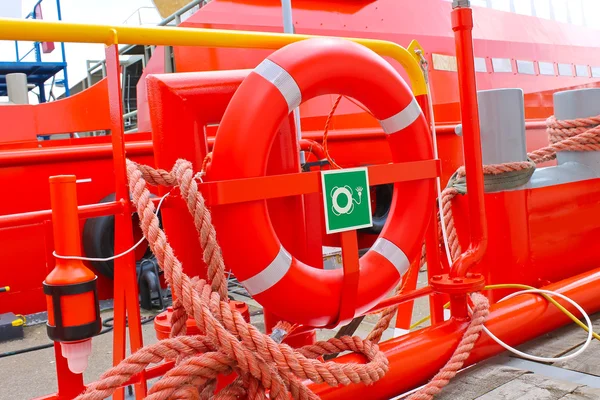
{"points": [[262, 363], [481, 307]]}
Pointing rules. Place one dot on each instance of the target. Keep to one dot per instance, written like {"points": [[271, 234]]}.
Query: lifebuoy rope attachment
{"points": [[228, 343]]}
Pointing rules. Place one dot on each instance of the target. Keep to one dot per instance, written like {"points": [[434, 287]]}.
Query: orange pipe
{"points": [[462, 25], [418, 356], [313, 147]]}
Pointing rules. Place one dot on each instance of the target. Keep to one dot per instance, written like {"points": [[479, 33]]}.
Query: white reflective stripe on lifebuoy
{"points": [[403, 119], [392, 253], [269, 276], [282, 80]]}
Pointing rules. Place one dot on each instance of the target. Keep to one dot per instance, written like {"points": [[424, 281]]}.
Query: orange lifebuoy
{"points": [[300, 71]]}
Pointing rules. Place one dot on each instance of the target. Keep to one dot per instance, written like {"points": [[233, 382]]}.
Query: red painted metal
{"points": [[462, 25], [351, 268], [416, 357], [75, 309], [86, 111], [405, 310], [162, 322], [126, 306], [38, 217], [402, 298], [546, 225], [235, 142]]}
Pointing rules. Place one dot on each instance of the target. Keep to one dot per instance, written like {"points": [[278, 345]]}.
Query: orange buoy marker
{"points": [[70, 288]]}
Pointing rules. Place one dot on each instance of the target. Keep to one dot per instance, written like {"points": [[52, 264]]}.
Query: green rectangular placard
{"points": [[347, 199]]}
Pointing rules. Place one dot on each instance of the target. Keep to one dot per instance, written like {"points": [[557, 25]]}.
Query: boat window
{"points": [[501, 64], [596, 72], [546, 68], [582, 70], [525, 67], [444, 63], [480, 64], [565, 69]]}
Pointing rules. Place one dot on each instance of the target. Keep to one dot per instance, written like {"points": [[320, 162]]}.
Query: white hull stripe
{"points": [[282, 80], [269, 276], [392, 253], [403, 119]]}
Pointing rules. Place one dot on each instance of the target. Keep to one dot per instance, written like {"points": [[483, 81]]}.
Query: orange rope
{"points": [[326, 131], [227, 343], [481, 310]]}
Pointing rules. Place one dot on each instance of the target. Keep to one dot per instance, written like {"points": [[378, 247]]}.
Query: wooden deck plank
{"points": [[479, 380], [583, 393], [531, 387], [587, 362], [560, 341]]}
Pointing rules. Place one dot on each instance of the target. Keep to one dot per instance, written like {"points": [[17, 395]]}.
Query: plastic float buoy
{"points": [[70, 288], [283, 284]]}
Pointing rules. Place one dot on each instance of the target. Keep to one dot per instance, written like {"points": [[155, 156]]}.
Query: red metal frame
{"points": [[126, 306], [414, 358]]}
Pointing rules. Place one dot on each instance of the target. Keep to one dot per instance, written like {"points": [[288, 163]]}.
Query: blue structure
{"points": [[38, 71]]}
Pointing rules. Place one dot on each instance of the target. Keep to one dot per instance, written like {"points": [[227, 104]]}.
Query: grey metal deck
{"points": [[511, 378]]}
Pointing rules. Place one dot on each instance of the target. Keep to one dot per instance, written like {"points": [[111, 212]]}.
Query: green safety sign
{"points": [[347, 199]]}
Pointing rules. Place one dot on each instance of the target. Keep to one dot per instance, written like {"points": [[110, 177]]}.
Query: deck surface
{"points": [[511, 378], [501, 378]]}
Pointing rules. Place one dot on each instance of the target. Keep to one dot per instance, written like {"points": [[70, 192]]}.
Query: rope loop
{"points": [[227, 343]]}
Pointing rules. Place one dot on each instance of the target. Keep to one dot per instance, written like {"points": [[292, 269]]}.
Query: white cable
{"points": [[435, 154], [539, 291], [546, 359], [115, 256]]}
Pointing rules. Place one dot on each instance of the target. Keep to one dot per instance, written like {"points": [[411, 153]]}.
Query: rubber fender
{"points": [[99, 237], [381, 209]]}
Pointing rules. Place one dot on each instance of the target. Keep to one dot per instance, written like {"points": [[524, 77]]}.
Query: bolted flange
{"points": [[445, 284]]}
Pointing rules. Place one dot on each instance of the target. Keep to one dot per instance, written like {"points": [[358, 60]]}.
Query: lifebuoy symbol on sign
{"points": [[346, 191]]}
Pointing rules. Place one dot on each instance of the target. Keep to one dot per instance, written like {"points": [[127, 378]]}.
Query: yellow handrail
{"points": [[46, 31]]}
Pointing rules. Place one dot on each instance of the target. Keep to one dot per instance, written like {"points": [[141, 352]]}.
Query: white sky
{"points": [[85, 11]]}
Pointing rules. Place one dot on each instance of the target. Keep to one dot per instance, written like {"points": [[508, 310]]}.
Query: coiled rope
{"points": [[228, 343]]}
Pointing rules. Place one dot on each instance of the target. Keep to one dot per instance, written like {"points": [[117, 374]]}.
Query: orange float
{"points": [[298, 72]]}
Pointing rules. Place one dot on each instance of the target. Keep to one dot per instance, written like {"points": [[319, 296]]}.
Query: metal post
{"points": [[16, 85], [42, 92], [64, 57], [502, 122], [17, 50], [126, 302], [573, 104], [288, 27], [462, 25]]}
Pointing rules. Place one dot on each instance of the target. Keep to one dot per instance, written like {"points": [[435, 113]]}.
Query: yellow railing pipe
{"points": [[46, 31]]}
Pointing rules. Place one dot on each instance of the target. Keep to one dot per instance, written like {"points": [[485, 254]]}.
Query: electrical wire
{"points": [[115, 256], [546, 359], [526, 289], [547, 295]]}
